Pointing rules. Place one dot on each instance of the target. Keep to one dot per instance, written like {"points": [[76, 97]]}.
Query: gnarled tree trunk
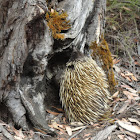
{"points": [[31, 60]]}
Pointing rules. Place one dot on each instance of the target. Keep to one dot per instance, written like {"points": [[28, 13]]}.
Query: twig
{"points": [[78, 132]]}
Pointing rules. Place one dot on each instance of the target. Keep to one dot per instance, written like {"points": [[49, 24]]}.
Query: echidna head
{"points": [[75, 57]]}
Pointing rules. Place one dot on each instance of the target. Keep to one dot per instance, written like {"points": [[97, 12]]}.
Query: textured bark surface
{"points": [[31, 61]]}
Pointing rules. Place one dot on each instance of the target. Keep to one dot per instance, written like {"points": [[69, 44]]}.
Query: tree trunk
{"points": [[31, 60]]}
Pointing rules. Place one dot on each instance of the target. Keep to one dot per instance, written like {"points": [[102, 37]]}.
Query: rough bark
{"points": [[31, 61]]}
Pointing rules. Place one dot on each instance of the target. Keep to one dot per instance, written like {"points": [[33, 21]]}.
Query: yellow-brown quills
{"points": [[84, 90]]}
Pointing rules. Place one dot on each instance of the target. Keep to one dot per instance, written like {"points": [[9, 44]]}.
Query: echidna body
{"points": [[84, 90]]}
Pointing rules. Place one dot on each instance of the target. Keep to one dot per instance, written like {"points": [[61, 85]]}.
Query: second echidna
{"points": [[84, 90]]}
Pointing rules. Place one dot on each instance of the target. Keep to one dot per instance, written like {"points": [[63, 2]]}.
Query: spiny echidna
{"points": [[84, 90]]}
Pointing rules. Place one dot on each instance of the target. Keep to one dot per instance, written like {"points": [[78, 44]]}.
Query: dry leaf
{"points": [[61, 129], [115, 94], [59, 109], [130, 134], [91, 123], [40, 130], [61, 126], [76, 124], [122, 74], [53, 113], [21, 134], [130, 138], [137, 63], [132, 128], [57, 126], [54, 125], [64, 120], [3, 124], [18, 133], [118, 99], [17, 138], [130, 95], [124, 120], [86, 135], [124, 107], [31, 133], [113, 27], [115, 61], [128, 73], [134, 120], [121, 129], [62, 139], [121, 137], [125, 86], [40, 9], [129, 88], [132, 90], [128, 78], [60, 133], [96, 124], [117, 69], [109, 138], [103, 134], [77, 128], [134, 78], [52, 10], [69, 131]]}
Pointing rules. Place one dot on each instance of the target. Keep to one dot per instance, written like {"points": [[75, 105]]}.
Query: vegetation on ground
{"points": [[123, 26]]}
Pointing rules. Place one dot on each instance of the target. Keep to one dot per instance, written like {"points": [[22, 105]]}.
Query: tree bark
{"points": [[32, 61]]}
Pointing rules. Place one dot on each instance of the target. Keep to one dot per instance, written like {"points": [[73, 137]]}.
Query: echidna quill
{"points": [[84, 90]]}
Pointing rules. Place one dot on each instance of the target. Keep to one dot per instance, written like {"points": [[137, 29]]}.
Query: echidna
{"points": [[84, 90]]}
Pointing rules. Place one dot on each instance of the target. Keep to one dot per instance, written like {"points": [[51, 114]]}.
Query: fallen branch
{"points": [[103, 134]]}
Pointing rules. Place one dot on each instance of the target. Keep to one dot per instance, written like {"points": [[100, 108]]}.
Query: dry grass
{"points": [[122, 30]]}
